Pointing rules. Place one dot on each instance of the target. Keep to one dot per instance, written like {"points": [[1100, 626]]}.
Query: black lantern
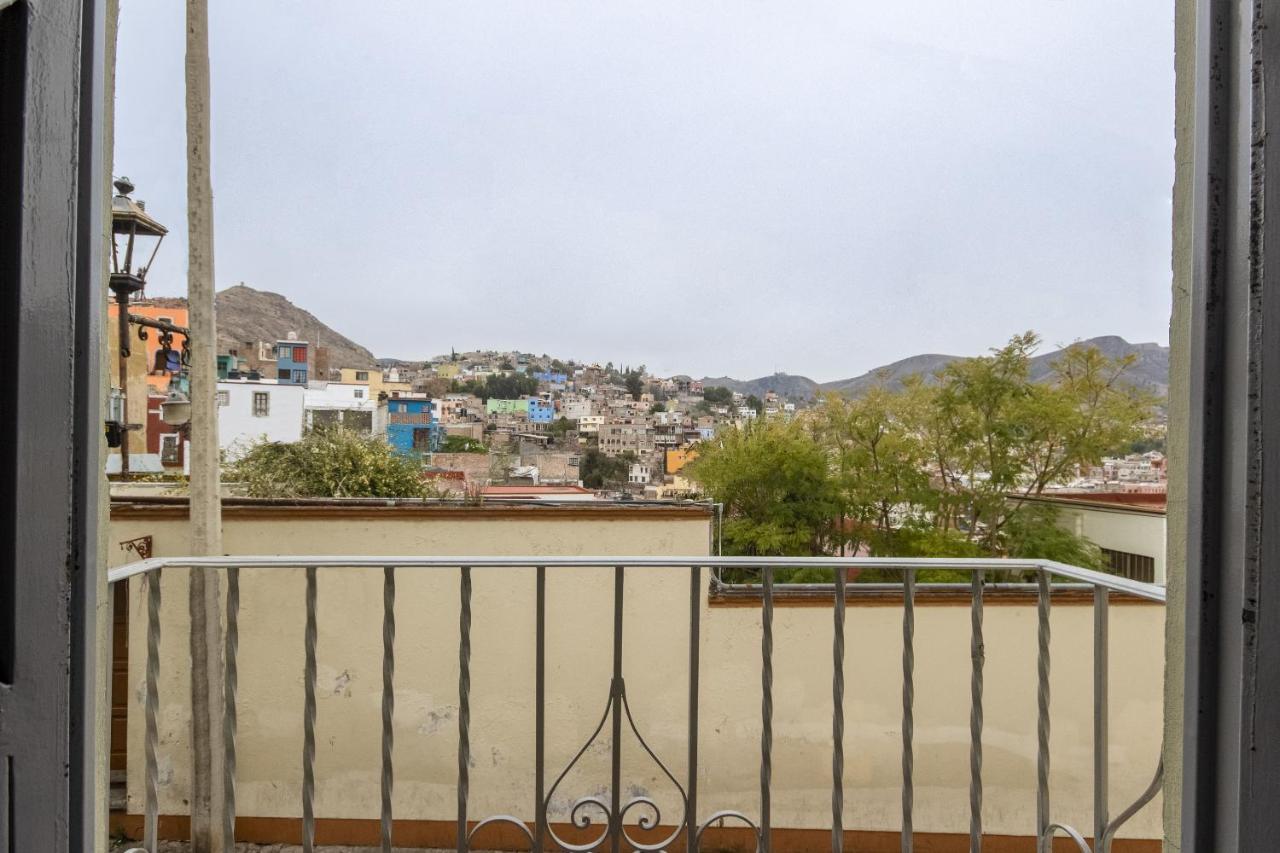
{"points": [[133, 231], [133, 234]]}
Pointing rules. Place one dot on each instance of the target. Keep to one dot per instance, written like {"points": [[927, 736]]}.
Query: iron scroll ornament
{"points": [[579, 812]]}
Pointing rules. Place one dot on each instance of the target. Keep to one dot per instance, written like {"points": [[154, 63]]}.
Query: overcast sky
{"points": [[707, 188]]}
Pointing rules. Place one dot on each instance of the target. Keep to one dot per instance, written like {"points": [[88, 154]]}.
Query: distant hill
{"points": [[1150, 371], [893, 374], [788, 386], [246, 314]]}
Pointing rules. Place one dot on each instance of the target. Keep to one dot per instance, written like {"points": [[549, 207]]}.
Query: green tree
{"points": [[633, 379], [717, 395], [329, 462], [505, 386], [879, 466], [559, 427], [755, 403], [776, 486], [601, 471], [462, 444], [942, 468], [996, 438]]}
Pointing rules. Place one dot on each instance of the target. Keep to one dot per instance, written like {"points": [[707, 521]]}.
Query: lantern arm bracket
{"points": [[162, 325]]}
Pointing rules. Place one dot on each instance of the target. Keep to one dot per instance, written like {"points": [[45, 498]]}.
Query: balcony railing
{"points": [[608, 821]]}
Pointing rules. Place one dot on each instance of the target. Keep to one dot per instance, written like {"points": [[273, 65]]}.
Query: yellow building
{"points": [[448, 370], [372, 377]]}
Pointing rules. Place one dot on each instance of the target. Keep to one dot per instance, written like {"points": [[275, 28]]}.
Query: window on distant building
{"points": [[261, 404], [283, 352], [300, 355], [1133, 566], [169, 448], [362, 376], [284, 374], [300, 376], [359, 393], [224, 398]]}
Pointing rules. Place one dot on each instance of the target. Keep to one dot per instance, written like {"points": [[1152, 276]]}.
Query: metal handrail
{"points": [[1114, 583], [612, 826]]}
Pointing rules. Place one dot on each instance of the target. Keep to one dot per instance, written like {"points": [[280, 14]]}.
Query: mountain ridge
{"points": [[247, 314], [1150, 371]]}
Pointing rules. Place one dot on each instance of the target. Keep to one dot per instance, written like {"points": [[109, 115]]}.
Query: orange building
{"points": [[157, 380], [679, 457]]}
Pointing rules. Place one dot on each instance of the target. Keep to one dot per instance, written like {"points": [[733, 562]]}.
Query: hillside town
{"points": [[493, 423]]}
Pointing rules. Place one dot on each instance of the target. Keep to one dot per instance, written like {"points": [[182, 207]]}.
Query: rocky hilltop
{"points": [[246, 314]]}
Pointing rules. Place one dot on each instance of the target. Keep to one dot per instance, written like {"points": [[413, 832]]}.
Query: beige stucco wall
{"points": [[656, 655]]}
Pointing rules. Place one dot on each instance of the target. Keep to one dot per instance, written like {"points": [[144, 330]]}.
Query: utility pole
{"points": [[207, 821]]}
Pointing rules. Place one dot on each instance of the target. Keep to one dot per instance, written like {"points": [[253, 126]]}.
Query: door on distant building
{"points": [[422, 438]]}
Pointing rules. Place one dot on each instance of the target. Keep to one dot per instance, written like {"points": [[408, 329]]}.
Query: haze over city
{"points": [[728, 190]]}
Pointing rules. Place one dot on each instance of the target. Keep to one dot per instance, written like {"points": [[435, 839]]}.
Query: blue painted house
{"points": [[551, 378], [412, 426], [541, 411], [291, 362]]}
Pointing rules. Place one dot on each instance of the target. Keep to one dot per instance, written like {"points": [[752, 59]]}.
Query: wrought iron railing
{"points": [[609, 818]]}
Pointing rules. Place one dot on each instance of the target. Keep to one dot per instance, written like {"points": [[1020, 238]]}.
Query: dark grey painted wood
{"points": [[49, 458], [1231, 744]]}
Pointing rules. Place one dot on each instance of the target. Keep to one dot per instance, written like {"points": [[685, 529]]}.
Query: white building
{"points": [[249, 410], [577, 410], [346, 403], [639, 474], [1129, 528], [590, 424]]}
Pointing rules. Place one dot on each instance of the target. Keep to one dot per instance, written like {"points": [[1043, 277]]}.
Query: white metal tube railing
{"points": [[611, 815]]}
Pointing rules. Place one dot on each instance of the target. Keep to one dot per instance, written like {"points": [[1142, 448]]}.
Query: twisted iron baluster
{"points": [[695, 643], [977, 651], [1042, 718], [464, 706], [766, 709], [230, 680], [309, 720], [388, 698], [150, 836], [837, 718], [908, 706], [1101, 706]]}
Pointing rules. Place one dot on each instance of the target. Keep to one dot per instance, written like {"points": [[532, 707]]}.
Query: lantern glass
{"points": [[135, 236], [176, 409]]}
